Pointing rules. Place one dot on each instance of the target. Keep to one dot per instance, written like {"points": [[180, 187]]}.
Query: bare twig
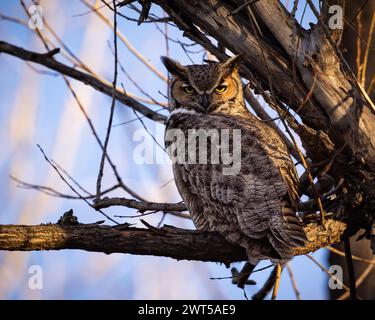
{"points": [[342, 254], [367, 51], [327, 272], [113, 104], [236, 274], [80, 105], [359, 281], [349, 264], [148, 131], [70, 186], [254, 103], [54, 193], [141, 206], [134, 119], [267, 286], [12, 19], [293, 281], [359, 49], [49, 62], [151, 99], [277, 282], [317, 196], [246, 3], [126, 42]]}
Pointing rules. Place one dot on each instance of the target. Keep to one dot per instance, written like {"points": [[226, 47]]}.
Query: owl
{"points": [[254, 205]]}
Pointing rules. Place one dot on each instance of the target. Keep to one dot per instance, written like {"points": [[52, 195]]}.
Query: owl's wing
{"points": [[255, 201], [286, 228], [252, 204]]}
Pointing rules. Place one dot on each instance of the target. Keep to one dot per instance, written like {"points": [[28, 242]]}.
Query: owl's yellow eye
{"points": [[188, 89], [221, 88]]}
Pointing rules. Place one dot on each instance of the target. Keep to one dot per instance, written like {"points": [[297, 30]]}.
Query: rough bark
{"points": [[353, 35], [358, 11], [168, 241]]}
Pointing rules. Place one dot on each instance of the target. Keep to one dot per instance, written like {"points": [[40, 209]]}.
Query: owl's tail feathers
{"points": [[286, 233]]}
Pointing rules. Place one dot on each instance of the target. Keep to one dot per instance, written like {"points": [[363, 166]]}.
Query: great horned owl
{"points": [[254, 207]]}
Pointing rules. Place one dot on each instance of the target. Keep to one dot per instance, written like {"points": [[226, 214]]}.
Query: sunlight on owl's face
{"points": [[204, 88], [187, 94]]}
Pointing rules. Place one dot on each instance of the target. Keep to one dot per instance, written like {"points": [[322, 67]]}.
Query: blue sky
{"points": [[39, 109]]}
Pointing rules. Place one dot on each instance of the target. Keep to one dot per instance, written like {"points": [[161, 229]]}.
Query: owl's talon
{"points": [[242, 278], [236, 282]]}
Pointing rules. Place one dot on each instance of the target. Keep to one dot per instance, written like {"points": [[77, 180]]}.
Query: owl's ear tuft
{"points": [[232, 64], [174, 67]]}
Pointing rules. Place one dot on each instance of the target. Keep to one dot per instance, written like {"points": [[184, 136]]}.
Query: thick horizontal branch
{"points": [[48, 61], [141, 206], [169, 242]]}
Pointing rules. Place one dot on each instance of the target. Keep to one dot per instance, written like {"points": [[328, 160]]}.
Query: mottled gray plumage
{"points": [[254, 208]]}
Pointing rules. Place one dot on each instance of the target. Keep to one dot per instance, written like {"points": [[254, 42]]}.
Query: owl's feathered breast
{"points": [[249, 203]]}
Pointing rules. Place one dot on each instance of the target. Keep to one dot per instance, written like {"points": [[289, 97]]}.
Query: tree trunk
{"points": [[354, 41]]}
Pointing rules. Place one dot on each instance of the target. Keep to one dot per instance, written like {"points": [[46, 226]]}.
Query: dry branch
{"points": [[48, 61], [141, 206], [167, 241]]}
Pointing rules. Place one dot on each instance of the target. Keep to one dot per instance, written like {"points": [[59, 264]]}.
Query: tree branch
{"points": [[48, 61], [168, 241], [141, 206], [214, 19]]}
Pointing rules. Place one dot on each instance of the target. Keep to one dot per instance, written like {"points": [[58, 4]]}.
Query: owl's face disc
{"points": [[204, 88]]}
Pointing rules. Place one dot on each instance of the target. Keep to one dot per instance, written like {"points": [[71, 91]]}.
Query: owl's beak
{"points": [[206, 101]]}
